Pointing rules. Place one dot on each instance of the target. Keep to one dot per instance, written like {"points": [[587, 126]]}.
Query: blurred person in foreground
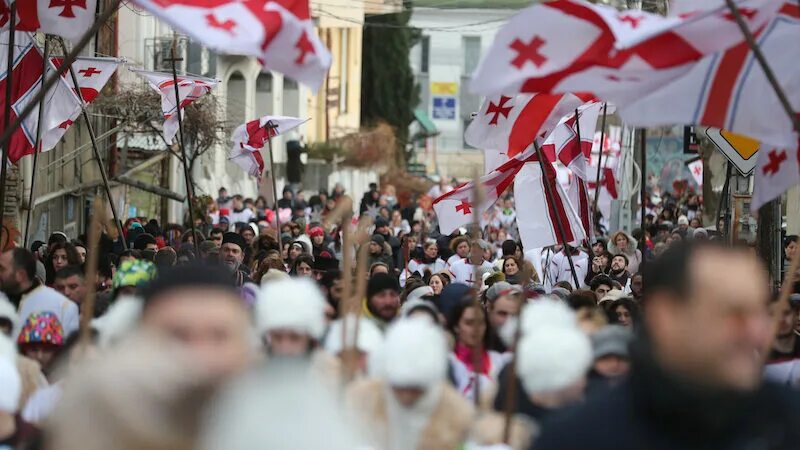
{"points": [[199, 306], [696, 378]]}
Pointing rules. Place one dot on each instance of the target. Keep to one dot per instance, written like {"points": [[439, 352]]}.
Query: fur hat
{"points": [[683, 220], [12, 387], [369, 336], [553, 352], [273, 275], [612, 295], [414, 353], [235, 239], [294, 304]]}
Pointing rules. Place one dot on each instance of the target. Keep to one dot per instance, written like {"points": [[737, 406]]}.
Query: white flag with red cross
{"points": [[696, 169], [280, 33], [776, 172], [67, 18], [538, 217], [190, 88], [26, 80], [507, 125], [248, 139], [92, 75], [562, 144]]}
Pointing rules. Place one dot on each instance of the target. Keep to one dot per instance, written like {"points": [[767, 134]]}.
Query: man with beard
{"points": [[619, 271], [383, 299], [696, 379], [232, 251], [411, 406], [18, 281]]}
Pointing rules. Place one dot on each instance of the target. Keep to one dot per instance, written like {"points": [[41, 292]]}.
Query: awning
{"points": [[428, 127]]}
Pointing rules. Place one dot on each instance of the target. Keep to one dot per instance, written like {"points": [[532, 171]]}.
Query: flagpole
{"points": [[7, 118], [578, 143], [643, 195], [37, 148], [477, 357], [186, 175], [270, 126], [788, 281], [95, 148], [559, 225], [68, 60], [600, 160]]}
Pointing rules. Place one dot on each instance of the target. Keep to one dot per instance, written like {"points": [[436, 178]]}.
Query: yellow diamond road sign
{"points": [[740, 150]]}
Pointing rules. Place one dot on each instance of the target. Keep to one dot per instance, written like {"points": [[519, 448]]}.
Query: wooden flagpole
{"points": [[600, 160], [788, 281], [36, 148], [548, 190], [477, 352], [186, 174], [92, 258], [7, 118], [643, 199], [270, 126], [511, 375], [95, 148], [68, 60]]}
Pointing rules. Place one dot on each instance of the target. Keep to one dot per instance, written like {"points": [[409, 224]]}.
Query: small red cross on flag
{"points": [[228, 25], [67, 18], [778, 170], [631, 20], [775, 160], [89, 71], [464, 207], [696, 169], [529, 51], [499, 109]]}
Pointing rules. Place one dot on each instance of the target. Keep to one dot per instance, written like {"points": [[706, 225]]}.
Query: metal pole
{"points": [[68, 60], [600, 159], [270, 126], [643, 194], [36, 148], [7, 117], [723, 198], [189, 193], [562, 235], [95, 148]]}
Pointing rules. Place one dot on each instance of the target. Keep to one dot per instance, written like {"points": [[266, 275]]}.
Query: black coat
{"points": [[653, 411]]}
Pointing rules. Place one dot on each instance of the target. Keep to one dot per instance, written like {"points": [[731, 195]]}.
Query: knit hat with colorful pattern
{"points": [[42, 328], [134, 273]]}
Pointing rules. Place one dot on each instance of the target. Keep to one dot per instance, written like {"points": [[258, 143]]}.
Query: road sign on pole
{"points": [[740, 150]]}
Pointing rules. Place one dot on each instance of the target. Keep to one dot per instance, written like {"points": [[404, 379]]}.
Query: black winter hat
{"points": [[380, 282], [234, 238]]}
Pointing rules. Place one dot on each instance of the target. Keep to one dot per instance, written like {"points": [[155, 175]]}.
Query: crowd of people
{"points": [[237, 333]]}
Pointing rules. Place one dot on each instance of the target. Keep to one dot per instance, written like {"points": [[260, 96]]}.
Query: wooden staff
{"points": [[788, 281], [95, 147], [350, 350], [37, 147], [270, 127], [477, 352], [7, 118], [68, 60], [511, 375], [92, 258]]}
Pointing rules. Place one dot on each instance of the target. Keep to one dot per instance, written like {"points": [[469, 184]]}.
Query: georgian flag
{"points": [[92, 75], [67, 18], [248, 140], [190, 88], [280, 33], [562, 144], [777, 171], [507, 125], [696, 169]]}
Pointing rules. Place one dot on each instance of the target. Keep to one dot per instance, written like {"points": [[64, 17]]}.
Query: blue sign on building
{"points": [[444, 108]]}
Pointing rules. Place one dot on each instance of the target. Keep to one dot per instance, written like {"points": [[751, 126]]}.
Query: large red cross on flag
{"points": [[280, 33], [26, 82], [190, 88], [67, 18], [248, 140]]}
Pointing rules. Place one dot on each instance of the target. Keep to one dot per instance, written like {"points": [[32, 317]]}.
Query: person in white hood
{"points": [[290, 316], [409, 405]]}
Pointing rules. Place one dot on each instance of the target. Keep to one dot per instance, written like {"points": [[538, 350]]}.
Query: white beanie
{"points": [[414, 353], [291, 304], [369, 336], [553, 352], [11, 387], [119, 321]]}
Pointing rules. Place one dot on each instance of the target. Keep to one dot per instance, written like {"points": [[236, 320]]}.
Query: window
{"points": [[344, 42], [425, 54], [264, 94], [472, 53], [291, 98], [236, 99]]}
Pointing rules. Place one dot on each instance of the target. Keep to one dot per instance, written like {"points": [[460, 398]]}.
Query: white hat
{"points": [[12, 387], [414, 353], [554, 353], [119, 321], [419, 292], [683, 220], [369, 336], [612, 295], [273, 275], [291, 304]]}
